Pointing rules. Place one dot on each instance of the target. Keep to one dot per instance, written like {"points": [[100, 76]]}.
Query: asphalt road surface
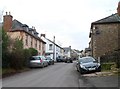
{"points": [[58, 75]]}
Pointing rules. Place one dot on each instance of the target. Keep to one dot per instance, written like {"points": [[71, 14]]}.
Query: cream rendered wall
{"points": [[22, 35], [14, 35]]}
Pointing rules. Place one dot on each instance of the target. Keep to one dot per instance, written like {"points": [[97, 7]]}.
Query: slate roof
{"points": [[53, 43], [67, 49], [18, 26], [114, 18]]}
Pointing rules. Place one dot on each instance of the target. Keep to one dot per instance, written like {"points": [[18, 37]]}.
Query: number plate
{"points": [[91, 68]]}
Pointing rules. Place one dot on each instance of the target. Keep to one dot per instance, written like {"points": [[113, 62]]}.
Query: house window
{"points": [[27, 29], [50, 46], [39, 46], [31, 41], [26, 40], [36, 44]]}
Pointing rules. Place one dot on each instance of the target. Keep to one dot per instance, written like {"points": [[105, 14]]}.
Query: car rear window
{"points": [[35, 58], [48, 58]]}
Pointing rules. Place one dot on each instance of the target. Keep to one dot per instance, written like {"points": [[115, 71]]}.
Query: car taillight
{"points": [[41, 60]]}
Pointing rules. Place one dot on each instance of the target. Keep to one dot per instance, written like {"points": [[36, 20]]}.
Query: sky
{"points": [[68, 20]]}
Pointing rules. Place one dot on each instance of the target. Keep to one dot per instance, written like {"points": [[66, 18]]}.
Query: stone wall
{"points": [[104, 39]]}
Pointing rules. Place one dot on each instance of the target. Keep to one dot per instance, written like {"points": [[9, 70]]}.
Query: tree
{"points": [[33, 51], [0, 47], [17, 56], [5, 52]]}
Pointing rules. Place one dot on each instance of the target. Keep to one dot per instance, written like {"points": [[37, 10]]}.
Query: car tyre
{"points": [[99, 70], [71, 61], [77, 70], [43, 66]]}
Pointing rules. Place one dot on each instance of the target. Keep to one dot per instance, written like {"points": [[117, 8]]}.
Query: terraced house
{"points": [[29, 36]]}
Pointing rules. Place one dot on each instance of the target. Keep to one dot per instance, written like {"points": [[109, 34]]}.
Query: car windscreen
{"points": [[35, 58], [86, 60]]}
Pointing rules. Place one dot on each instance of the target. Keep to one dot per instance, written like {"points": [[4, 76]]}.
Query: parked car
{"points": [[38, 61], [87, 64], [68, 60], [60, 59], [50, 60]]}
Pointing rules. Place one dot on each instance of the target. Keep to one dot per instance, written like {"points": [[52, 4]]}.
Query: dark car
{"points": [[87, 64], [50, 60], [60, 59], [68, 60]]}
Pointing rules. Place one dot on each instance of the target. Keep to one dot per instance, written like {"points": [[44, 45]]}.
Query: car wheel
{"points": [[43, 66], [81, 72], [77, 70], [31, 67], [71, 61], [99, 70]]}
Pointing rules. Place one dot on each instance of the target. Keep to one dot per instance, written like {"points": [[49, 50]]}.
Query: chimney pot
{"points": [[6, 13], [118, 8], [9, 13], [43, 35]]}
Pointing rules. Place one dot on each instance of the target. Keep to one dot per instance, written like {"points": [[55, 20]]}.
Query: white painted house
{"points": [[53, 50]]}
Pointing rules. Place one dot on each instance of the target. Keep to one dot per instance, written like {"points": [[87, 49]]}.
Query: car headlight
{"points": [[98, 64], [82, 66]]}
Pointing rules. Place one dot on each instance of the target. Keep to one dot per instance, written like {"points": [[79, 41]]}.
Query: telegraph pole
{"points": [[54, 48]]}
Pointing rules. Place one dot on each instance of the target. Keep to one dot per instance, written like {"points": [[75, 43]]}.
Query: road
{"points": [[58, 75]]}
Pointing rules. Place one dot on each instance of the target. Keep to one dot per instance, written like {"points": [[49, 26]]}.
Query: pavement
{"points": [[98, 81]]}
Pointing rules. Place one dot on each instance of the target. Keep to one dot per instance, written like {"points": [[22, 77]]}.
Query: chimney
{"points": [[118, 8], [43, 35], [7, 22]]}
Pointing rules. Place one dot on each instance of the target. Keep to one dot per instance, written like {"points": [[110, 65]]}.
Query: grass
{"points": [[107, 66], [110, 67], [10, 71]]}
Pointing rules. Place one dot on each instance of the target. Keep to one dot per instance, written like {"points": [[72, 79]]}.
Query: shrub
{"points": [[107, 66], [33, 51], [27, 55], [16, 56], [5, 52], [112, 57]]}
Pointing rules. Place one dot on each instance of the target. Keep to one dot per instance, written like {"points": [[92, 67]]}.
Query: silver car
{"points": [[38, 61]]}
